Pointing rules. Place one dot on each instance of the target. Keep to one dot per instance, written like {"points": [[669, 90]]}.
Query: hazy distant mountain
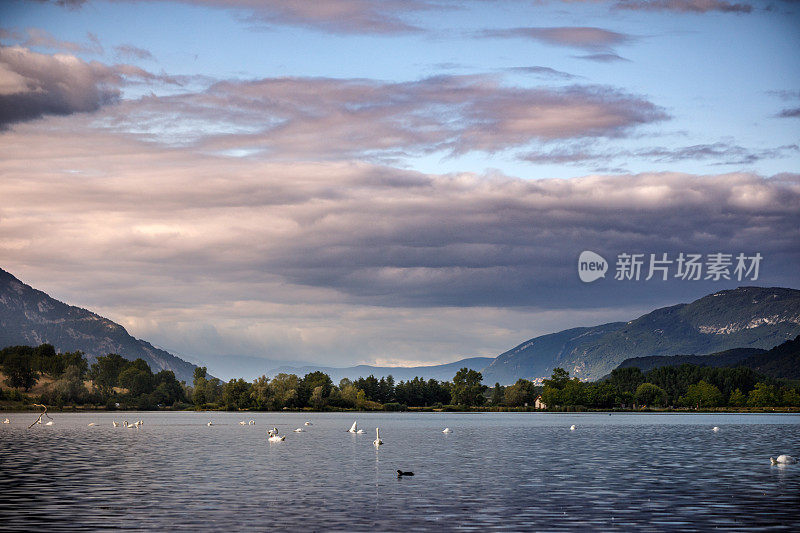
{"points": [[747, 317], [31, 317], [439, 372]]}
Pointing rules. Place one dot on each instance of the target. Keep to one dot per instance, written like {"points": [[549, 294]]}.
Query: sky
{"points": [[394, 182]]}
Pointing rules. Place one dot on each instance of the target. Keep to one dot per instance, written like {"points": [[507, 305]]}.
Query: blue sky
{"points": [[388, 182]]}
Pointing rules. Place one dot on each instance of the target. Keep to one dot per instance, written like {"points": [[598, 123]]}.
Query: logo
{"points": [[591, 266]]}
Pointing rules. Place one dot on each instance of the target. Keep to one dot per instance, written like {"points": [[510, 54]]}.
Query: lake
{"points": [[495, 471]]}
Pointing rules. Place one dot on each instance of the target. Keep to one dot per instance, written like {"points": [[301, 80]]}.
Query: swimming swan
{"points": [[308, 424], [251, 423], [210, 424], [48, 423], [377, 442], [715, 429], [274, 437], [360, 432], [92, 424], [447, 430], [242, 423], [6, 421], [116, 424], [572, 427], [299, 430], [783, 460], [353, 428]]}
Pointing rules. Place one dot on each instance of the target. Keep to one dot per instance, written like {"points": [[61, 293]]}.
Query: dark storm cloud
{"points": [[33, 85], [603, 58]]}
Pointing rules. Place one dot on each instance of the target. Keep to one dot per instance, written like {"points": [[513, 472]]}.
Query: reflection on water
{"points": [[500, 471]]}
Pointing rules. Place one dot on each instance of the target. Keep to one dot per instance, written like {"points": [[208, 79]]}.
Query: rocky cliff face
{"points": [[31, 317]]}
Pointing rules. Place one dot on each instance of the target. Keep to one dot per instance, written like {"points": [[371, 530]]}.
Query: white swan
{"points": [[783, 460], [251, 423], [242, 423], [353, 428], [360, 432], [48, 423], [210, 424], [308, 424], [447, 430], [299, 430], [91, 424], [715, 429], [6, 421], [116, 424], [377, 442], [572, 427], [274, 437]]}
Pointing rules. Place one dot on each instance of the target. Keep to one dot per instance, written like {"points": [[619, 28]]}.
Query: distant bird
{"points": [[783, 460], [299, 430], [6, 421], [447, 430], [572, 427], [400, 473], [377, 442], [242, 423], [92, 424], [354, 427], [308, 424], [116, 424], [251, 423], [360, 432], [210, 424], [715, 429], [48, 423]]}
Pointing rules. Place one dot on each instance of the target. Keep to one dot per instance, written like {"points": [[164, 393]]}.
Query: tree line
{"points": [[114, 381]]}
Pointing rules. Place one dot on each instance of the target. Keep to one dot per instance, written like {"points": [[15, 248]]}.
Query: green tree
{"points": [[650, 394], [737, 398], [70, 387], [105, 372], [467, 387], [498, 394], [790, 397], [311, 381], [702, 394], [763, 395], [559, 378], [19, 371], [520, 393], [261, 394], [284, 388], [136, 380], [236, 394]]}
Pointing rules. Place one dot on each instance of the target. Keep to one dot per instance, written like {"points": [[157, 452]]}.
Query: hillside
{"points": [[747, 317], [726, 358], [31, 317]]}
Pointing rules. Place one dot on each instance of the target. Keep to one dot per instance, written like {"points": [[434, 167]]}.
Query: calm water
{"points": [[496, 471]]}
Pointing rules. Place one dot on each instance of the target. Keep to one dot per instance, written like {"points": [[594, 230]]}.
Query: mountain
{"points": [[439, 372], [31, 317], [782, 361], [732, 357], [747, 317]]}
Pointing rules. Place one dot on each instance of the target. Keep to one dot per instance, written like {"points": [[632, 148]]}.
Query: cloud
{"points": [[36, 37], [72, 4], [724, 153], [602, 58], [543, 72], [332, 16], [34, 85], [790, 113], [133, 52], [685, 6], [587, 38], [334, 118], [352, 261]]}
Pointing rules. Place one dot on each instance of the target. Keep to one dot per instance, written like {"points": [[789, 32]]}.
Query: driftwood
{"points": [[43, 413]]}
